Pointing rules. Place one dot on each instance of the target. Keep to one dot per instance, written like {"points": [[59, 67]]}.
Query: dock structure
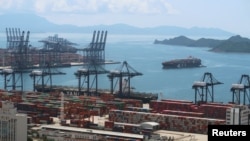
{"points": [[123, 75], [15, 38], [205, 88], [19, 55], [54, 51], [42, 64], [58, 43], [54, 48], [91, 69], [96, 49], [18, 45], [241, 90], [42, 79]]}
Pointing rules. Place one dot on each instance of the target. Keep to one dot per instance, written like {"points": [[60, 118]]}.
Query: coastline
{"points": [[67, 65]]}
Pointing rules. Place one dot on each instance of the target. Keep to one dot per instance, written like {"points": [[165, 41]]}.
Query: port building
{"points": [[13, 126], [238, 115]]}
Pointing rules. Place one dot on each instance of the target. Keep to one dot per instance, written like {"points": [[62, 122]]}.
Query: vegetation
{"points": [[233, 44], [184, 41]]}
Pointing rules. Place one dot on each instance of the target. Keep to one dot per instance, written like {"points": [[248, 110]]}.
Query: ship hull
{"points": [[180, 65], [144, 97]]}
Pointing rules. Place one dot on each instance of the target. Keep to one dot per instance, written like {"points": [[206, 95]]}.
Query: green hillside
{"points": [[233, 44]]}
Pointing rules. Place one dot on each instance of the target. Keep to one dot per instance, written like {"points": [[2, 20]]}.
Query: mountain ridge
{"points": [[34, 23]]}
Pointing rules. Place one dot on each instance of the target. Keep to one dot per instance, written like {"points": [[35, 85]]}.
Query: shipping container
{"points": [[182, 113]]}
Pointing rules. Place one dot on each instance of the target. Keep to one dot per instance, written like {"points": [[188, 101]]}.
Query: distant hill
{"points": [[181, 40], [184, 41], [233, 44], [33, 23]]}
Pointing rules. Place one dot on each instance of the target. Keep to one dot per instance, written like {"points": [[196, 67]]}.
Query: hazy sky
{"points": [[229, 15]]}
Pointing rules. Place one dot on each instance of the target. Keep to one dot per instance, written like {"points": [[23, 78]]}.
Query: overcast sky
{"points": [[229, 15]]}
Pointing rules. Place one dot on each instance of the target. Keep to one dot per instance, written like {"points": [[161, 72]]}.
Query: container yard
{"points": [[117, 115]]}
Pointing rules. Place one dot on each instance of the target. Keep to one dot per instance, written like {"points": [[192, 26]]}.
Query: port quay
{"points": [[118, 114]]}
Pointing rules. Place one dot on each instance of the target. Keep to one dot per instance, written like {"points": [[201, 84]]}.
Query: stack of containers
{"points": [[138, 109], [115, 105], [15, 98], [131, 102], [74, 122], [159, 106], [188, 108], [42, 119], [110, 138], [5, 96], [182, 113], [107, 96], [83, 123], [26, 106], [100, 109], [217, 111], [128, 127], [108, 125], [166, 122]]}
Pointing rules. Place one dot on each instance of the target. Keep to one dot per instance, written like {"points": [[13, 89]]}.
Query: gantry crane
{"points": [[49, 60], [96, 49], [205, 88], [88, 70], [53, 48], [122, 75], [42, 79], [241, 90], [19, 51]]}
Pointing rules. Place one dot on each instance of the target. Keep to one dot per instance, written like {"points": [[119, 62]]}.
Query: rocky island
{"points": [[233, 44]]}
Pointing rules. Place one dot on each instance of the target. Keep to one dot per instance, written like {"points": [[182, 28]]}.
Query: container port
{"points": [[86, 113]]}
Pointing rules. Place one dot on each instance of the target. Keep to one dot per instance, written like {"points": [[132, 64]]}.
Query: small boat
{"points": [[189, 62]]}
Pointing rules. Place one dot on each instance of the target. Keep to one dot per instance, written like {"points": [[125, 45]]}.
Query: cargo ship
{"points": [[143, 96], [189, 62]]}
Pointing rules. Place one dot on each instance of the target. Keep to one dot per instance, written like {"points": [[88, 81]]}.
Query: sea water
{"points": [[144, 56]]}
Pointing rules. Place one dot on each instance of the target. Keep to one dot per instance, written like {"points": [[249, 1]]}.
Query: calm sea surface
{"points": [[146, 57]]}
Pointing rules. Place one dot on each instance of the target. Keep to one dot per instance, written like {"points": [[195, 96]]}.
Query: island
{"points": [[233, 44]]}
